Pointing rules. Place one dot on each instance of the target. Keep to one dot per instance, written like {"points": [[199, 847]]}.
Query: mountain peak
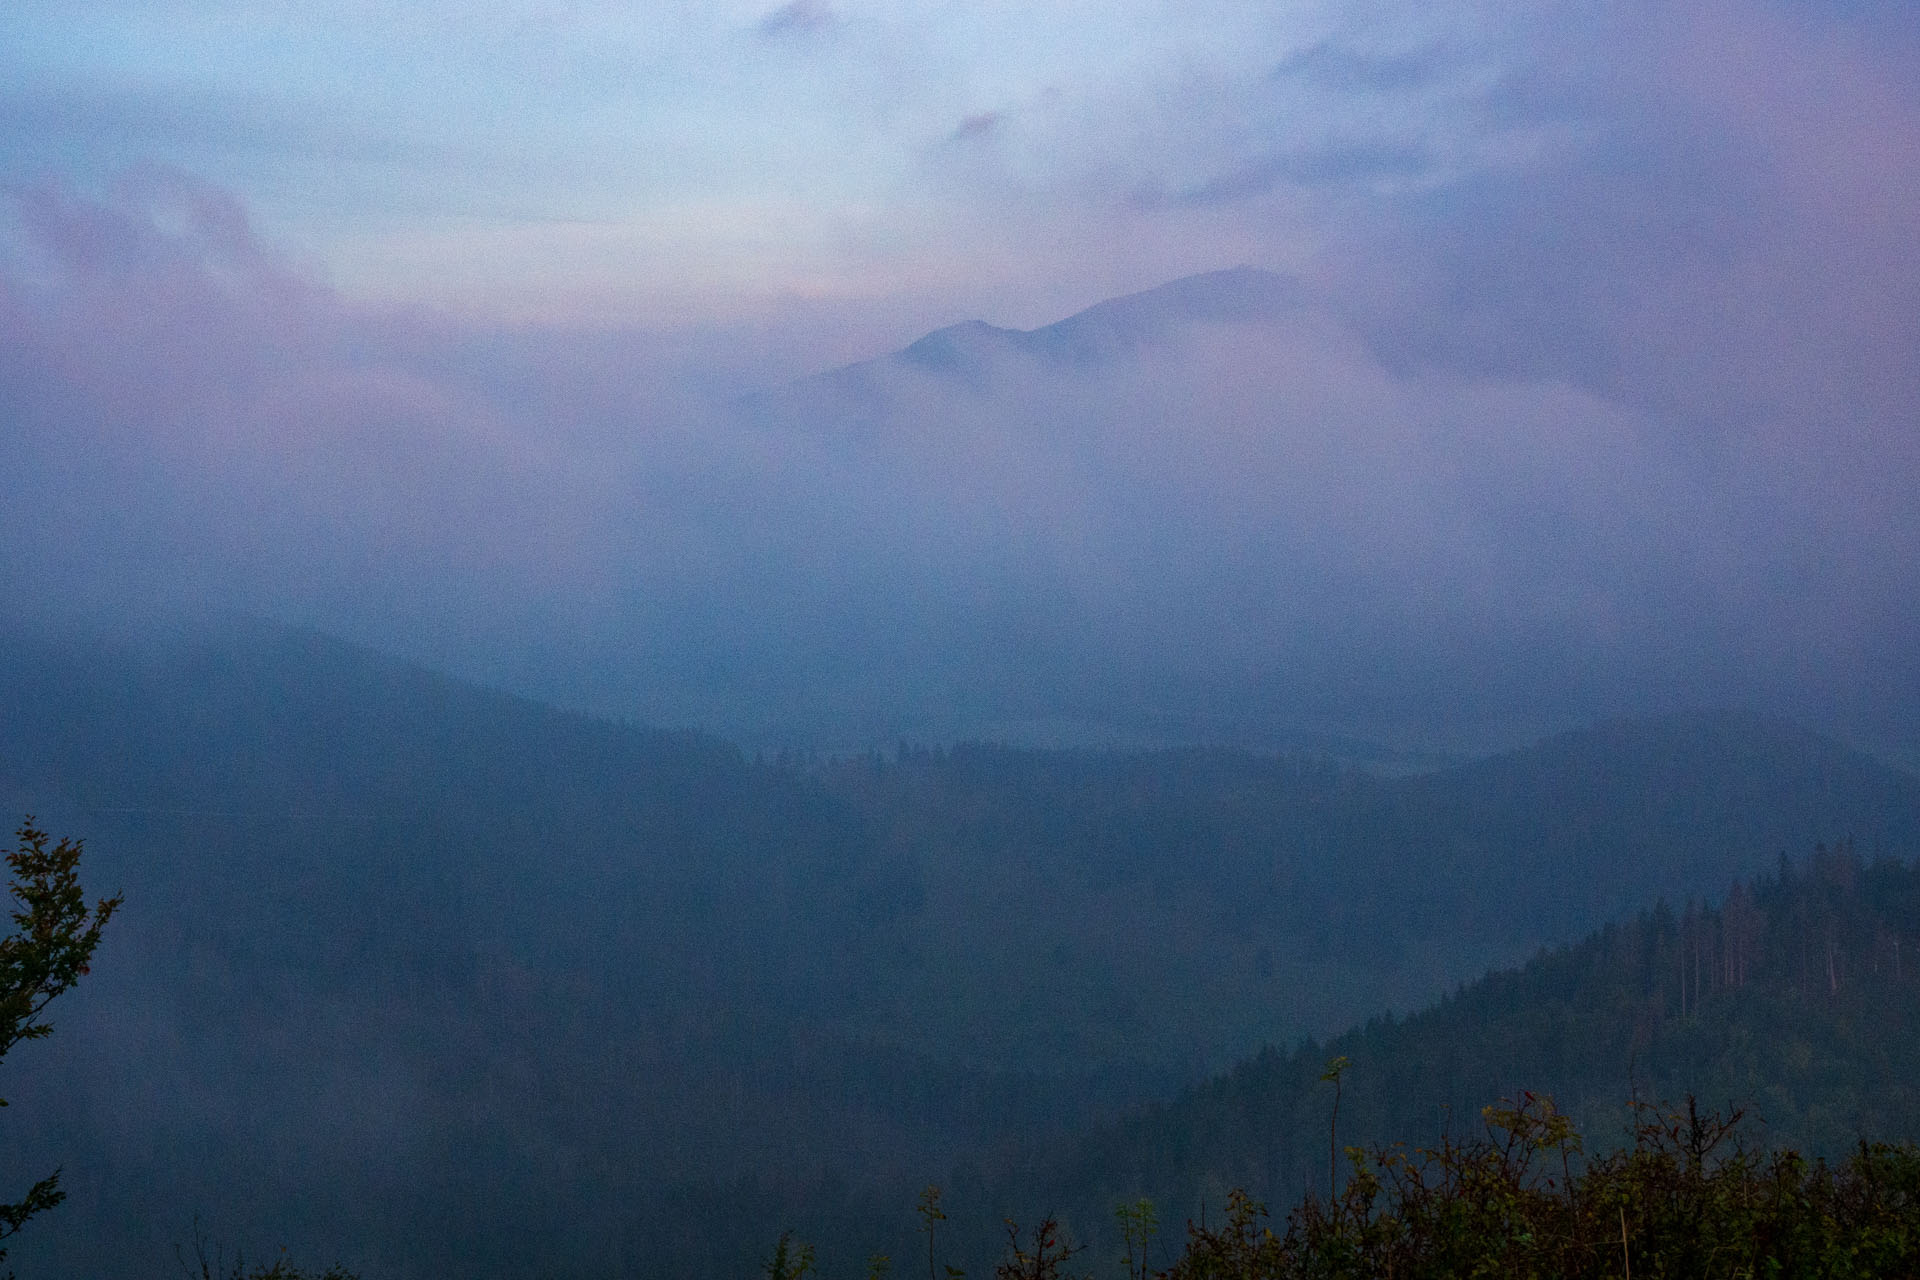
{"points": [[856, 394], [1237, 294], [951, 348]]}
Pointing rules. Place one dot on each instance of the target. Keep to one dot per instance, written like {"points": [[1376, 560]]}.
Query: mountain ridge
{"points": [[368, 900], [1788, 1000], [962, 353]]}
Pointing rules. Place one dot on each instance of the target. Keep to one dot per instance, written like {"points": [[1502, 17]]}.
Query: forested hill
{"points": [[410, 967], [1797, 999]]}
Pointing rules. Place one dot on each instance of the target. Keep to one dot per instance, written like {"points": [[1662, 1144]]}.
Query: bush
{"points": [[1686, 1199]]}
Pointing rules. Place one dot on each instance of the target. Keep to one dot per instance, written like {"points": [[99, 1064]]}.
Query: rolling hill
{"points": [[429, 976]]}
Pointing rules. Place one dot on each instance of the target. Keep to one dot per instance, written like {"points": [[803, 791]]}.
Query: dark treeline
{"points": [[1794, 999], [437, 980], [1792, 1003]]}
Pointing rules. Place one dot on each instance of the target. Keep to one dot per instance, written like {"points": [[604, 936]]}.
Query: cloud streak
{"points": [[798, 17]]}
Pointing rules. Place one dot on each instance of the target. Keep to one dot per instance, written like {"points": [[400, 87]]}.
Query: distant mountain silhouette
{"points": [[964, 354], [1118, 325]]}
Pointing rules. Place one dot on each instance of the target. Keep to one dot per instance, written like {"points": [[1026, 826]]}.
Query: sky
{"points": [[678, 162], [674, 162], [422, 324]]}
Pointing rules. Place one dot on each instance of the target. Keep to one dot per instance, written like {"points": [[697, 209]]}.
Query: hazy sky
{"points": [[672, 163], [676, 161], [679, 160], [409, 320]]}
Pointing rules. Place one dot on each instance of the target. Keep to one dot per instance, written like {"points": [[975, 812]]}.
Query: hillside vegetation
{"points": [[1795, 1000], [427, 977]]}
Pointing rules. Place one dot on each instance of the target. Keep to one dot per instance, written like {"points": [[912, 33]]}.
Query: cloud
{"points": [[1364, 163], [797, 17], [1310, 509], [1349, 70], [1721, 246], [1604, 390], [191, 411], [981, 124]]}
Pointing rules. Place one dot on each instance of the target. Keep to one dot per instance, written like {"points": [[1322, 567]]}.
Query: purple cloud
{"points": [[187, 403], [1616, 409]]}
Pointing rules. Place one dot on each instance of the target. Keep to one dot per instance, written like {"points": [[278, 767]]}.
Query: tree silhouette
{"points": [[54, 937]]}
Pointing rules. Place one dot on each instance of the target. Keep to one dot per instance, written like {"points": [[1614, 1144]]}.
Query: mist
{"points": [[1563, 367], [1239, 508]]}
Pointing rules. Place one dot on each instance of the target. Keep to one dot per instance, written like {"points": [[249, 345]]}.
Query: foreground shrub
{"points": [[1686, 1199]]}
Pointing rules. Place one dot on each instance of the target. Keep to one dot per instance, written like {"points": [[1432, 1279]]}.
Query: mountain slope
{"points": [[1287, 894], [1797, 999], [974, 355], [1110, 329], [395, 940]]}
